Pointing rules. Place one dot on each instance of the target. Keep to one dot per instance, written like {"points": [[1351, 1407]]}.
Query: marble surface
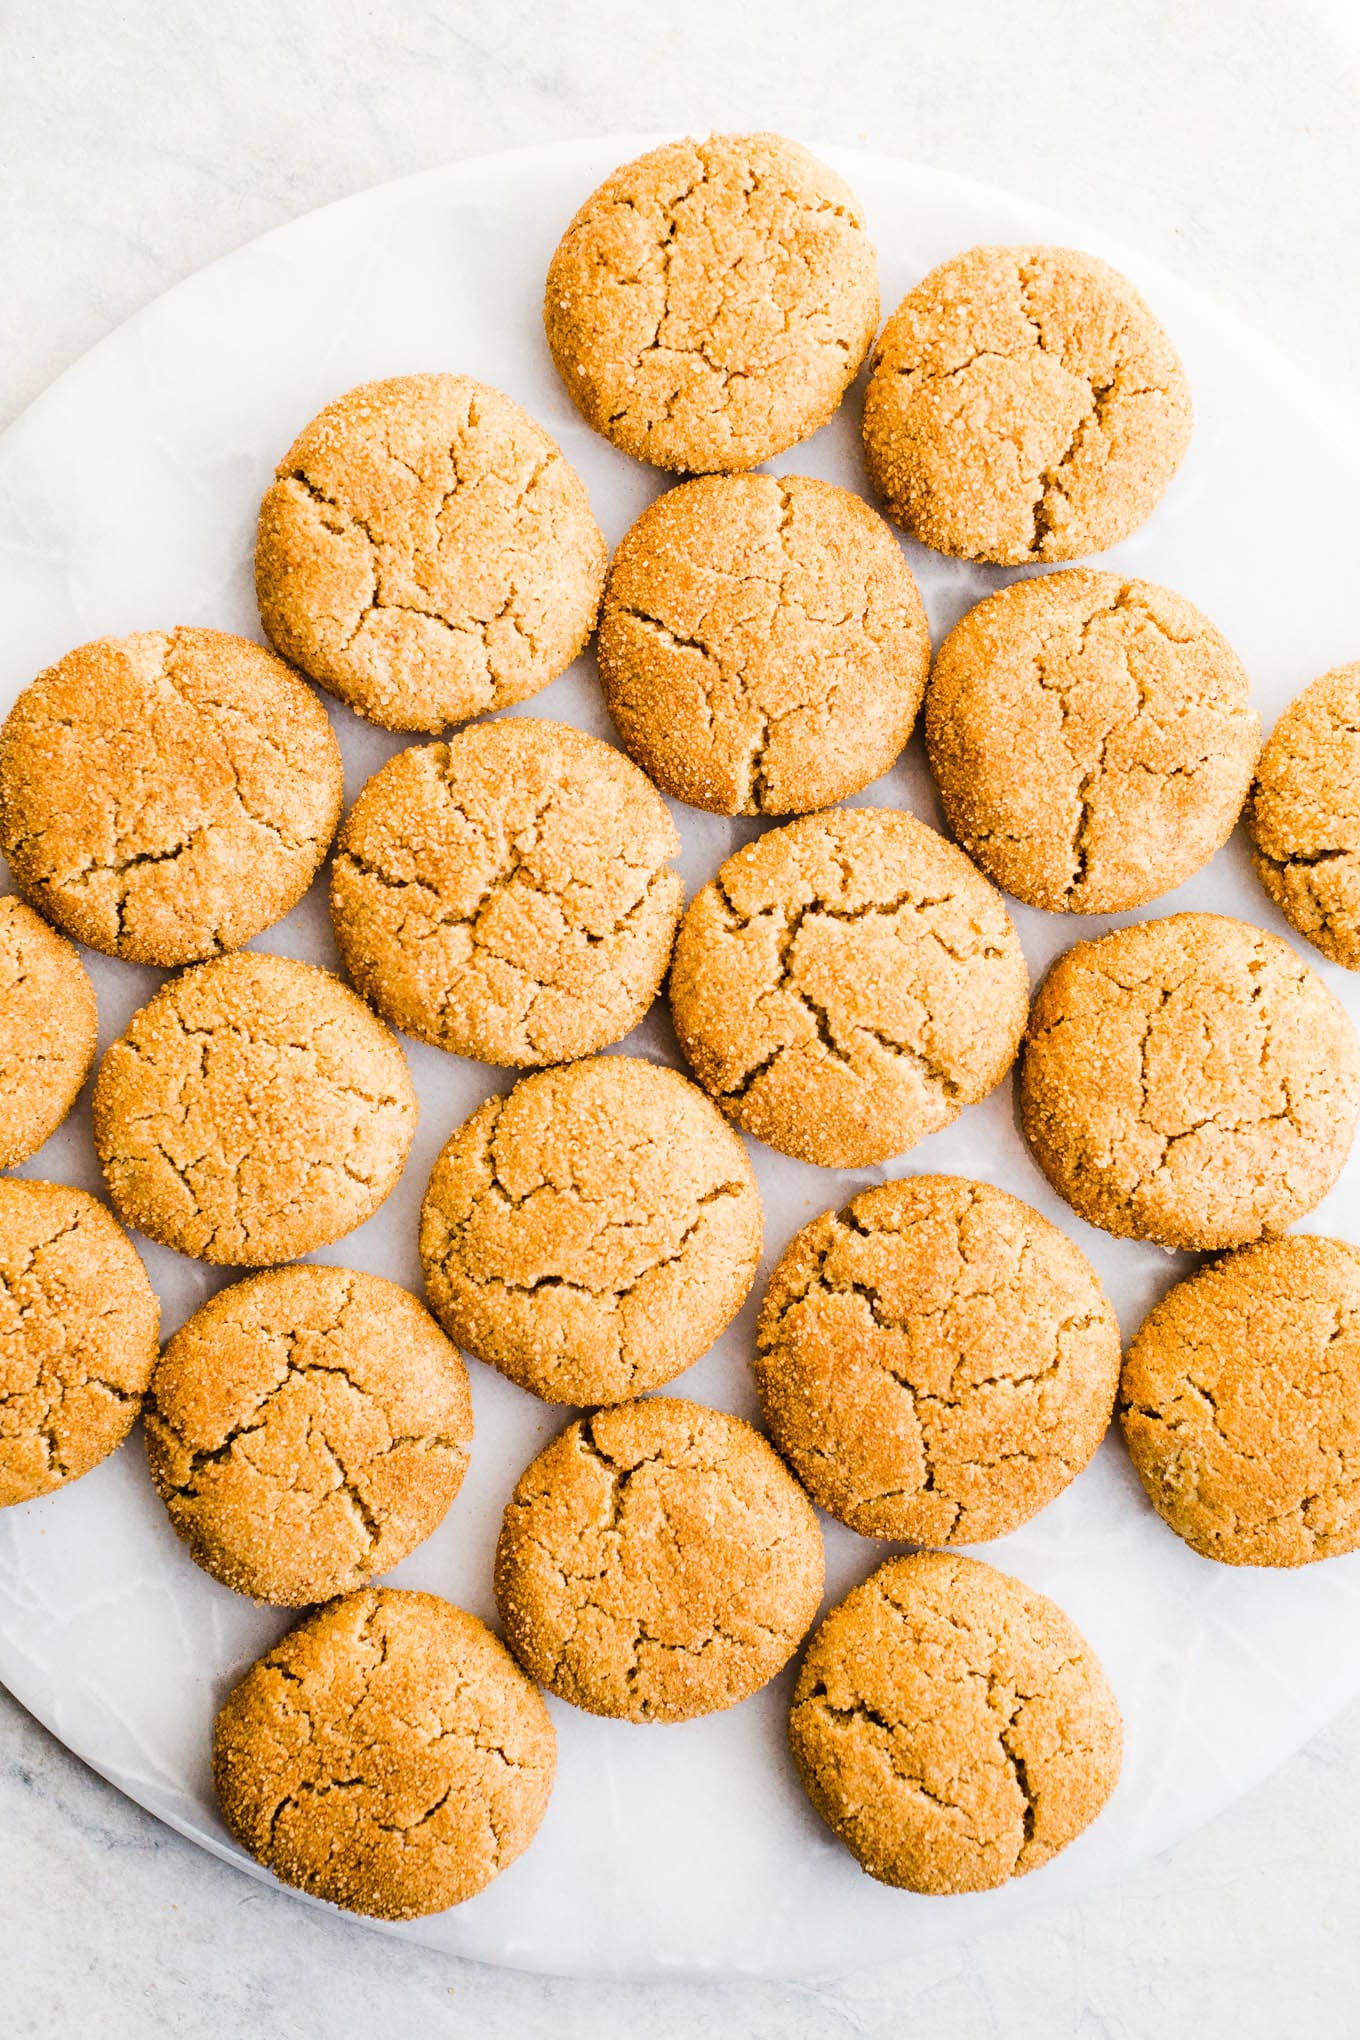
{"points": [[138, 147]]}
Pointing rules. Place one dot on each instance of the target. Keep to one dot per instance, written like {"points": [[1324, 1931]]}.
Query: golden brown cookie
{"points": [[591, 1234], [47, 1030], [1024, 405], [846, 985], [1091, 738], [252, 1111], [1304, 815], [1240, 1402], [1189, 1081], [712, 301], [936, 1361], [426, 553], [165, 796], [763, 646], [387, 1754], [657, 1562], [507, 895], [952, 1726], [306, 1429], [78, 1324]]}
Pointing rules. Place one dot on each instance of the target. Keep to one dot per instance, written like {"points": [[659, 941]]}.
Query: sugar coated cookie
{"points": [[1304, 815], [47, 1030]]}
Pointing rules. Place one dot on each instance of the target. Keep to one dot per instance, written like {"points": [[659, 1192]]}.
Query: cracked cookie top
{"points": [[847, 984], [657, 1561], [507, 895], [1304, 815], [936, 1361], [952, 1726], [253, 1110], [387, 1755], [1091, 739], [1240, 1402], [591, 1234], [1024, 405], [426, 553], [166, 796], [1189, 1081], [712, 301], [306, 1429], [763, 646], [47, 1030], [78, 1325]]}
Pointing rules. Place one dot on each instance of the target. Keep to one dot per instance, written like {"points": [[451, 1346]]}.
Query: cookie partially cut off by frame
{"points": [[1304, 815], [48, 1028]]}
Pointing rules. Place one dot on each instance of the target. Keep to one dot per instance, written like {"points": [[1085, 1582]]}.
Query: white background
{"points": [[139, 141]]}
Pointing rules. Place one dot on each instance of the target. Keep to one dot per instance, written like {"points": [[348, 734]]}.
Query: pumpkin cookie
{"points": [[387, 1755], [252, 1111], [47, 1030], [952, 1726], [426, 553], [846, 985], [712, 302], [936, 1362], [594, 1232], [306, 1429], [763, 647], [1304, 815], [1189, 1081], [1024, 405], [657, 1562], [507, 895], [1091, 739], [78, 1324]]}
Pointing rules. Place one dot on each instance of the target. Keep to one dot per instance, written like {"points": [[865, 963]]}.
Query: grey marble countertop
{"points": [[139, 142]]}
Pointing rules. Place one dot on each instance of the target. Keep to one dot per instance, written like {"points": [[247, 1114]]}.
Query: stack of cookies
{"points": [[935, 1361]]}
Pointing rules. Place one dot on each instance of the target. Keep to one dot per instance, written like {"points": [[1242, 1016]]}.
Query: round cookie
{"points": [[1189, 1081], [712, 301], [78, 1325], [47, 1030], [507, 895], [387, 1754], [306, 1429], [936, 1361], [1240, 1402], [952, 1726], [657, 1562], [846, 985], [591, 1234], [253, 1110], [1024, 405], [426, 553], [166, 796], [1091, 739], [1304, 815], [763, 646]]}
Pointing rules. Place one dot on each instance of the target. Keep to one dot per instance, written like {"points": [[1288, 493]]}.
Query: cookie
{"points": [[507, 895], [252, 1111], [387, 1755], [1091, 739], [936, 1362], [712, 302], [47, 1030], [846, 985], [657, 1562], [426, 553], [165, 796], [763, 646], [1304, 815], [1024, 405], [78, 1325], [1240, 1403], [1189, 1081], [591, 1234], [306, 1429], [952, 1726]]}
